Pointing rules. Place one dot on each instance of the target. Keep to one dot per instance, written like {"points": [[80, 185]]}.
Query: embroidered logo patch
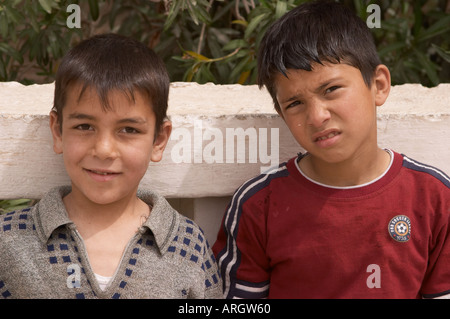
{"points": [[400, 228]]}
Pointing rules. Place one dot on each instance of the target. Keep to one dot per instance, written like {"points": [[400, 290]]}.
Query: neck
{"points": [[352, 172], [85, 213]]}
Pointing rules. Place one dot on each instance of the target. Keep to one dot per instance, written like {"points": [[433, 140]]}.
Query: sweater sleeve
{"points": [[213, 281], [4, 292], [437, 277], [240, 250]]}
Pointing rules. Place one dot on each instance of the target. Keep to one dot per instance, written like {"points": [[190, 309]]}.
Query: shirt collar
{"points": [[163, 221], [51, 212]]}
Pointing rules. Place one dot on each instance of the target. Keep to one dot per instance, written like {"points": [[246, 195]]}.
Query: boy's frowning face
{"points": [[107, 152], [330, 110]]}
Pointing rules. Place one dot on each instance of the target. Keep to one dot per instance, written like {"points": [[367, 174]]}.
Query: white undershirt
{"points": [[102, 281]]}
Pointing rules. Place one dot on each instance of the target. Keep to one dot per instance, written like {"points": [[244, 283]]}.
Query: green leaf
{"points": [[241, 22], [201, 14], [441, 26], [14, 15], [429, 66], [15, 204], [205, 74], [234, 44], [280, 9], [442, 53], [173, 12], [46, 5], [253, 24], [3, 73], [239, 68], [3, 26], [6, 48], [93, 8], [197, 56], [391, 47]]}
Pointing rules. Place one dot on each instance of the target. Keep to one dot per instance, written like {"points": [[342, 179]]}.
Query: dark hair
{"points": [[113, 62], [320, 31]]}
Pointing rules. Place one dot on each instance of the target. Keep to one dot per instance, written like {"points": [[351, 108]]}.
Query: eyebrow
{"points": [[80, 116], [328, 82], [132, 120]]}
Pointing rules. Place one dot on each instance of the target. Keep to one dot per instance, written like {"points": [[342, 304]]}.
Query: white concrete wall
{"points": [[414, 121]]}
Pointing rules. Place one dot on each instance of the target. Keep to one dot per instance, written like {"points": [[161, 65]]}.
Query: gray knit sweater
{"points": [[42, 256]]}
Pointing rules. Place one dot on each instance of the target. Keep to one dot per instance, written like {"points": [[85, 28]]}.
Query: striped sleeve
{"points": [[420, 167], [437, 277], [240, 245], [250, 290]]}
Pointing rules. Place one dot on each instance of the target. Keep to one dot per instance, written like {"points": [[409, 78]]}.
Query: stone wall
{"points": [[223, 135]]}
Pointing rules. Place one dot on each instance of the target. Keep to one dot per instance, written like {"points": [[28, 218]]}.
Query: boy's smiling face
{"points": [[107, 152], [330, 110]]}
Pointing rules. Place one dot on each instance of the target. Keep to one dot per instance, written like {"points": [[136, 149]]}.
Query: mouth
{"points": [[101, 172], [101, 175], [326, 139], [327, 136]]}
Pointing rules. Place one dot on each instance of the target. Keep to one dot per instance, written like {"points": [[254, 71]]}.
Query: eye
{"points": [[83, 127], [129, 130], [293, 104], [332, 89]]}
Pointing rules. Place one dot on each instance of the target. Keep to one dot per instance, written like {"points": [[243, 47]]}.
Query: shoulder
{"points": [[170, 227], [190, 233], [192, 249], [261, 183], [426, 171], [17, 221], [17, 235]]}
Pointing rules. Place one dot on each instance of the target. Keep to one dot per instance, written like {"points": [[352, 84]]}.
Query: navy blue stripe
{"points": [[436, 295], [247, 191], [242, 293], [424, 168]]}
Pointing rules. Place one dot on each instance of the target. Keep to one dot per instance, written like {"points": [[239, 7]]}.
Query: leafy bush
{"points": [[15, 204], [211, 40]]}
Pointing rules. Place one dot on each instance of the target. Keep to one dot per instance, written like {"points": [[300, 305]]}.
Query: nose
{"points": [[105, 146], [318, 114]]}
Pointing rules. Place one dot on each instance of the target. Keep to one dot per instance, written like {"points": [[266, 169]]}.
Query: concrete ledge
{"points": [[223, 135]]}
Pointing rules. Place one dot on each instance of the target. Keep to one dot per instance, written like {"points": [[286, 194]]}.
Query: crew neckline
{"points": [[391, 154]]}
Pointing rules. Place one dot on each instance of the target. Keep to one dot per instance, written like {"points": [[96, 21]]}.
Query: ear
{"points": [[382, 83], [56, 130], [161, 140]]}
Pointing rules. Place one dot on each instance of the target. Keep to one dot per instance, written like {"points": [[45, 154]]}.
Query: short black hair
{"points": [[316, 32], [113, 62]]}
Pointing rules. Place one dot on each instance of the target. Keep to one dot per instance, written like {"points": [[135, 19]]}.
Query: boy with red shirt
{"points": [[347, 219]]}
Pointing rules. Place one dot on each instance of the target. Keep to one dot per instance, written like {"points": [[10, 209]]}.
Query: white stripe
{"points": [[428, 167], [227, 278], [443, 297], [252, 289], [234, 297]]}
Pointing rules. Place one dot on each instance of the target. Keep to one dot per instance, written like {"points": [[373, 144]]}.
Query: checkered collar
{"points": [[50, 214]]}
